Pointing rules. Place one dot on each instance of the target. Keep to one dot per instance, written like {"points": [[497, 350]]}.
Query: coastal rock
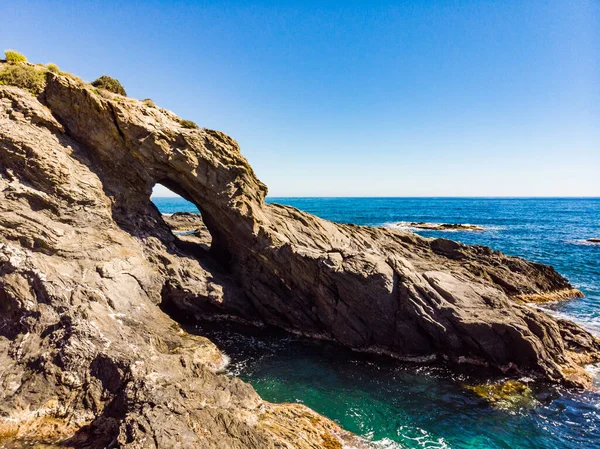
{"points": [[594, 240], [87, 356], [190, 230], [88, 268], [184, 221], [439, 226]]}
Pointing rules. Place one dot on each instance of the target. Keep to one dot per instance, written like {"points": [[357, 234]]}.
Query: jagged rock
{"points": [[87, 262]]}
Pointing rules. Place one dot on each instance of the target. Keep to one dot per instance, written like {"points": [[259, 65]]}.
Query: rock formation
{"points": [[189, 228], [88, 264], [594, 240], [184, 221], [439, 226], [87, 357]]}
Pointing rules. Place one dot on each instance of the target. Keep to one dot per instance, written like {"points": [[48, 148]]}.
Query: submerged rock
{"points": [[440, 226], [88, 266], [508, 394]]}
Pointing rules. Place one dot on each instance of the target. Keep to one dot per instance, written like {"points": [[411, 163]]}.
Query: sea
{"points": [[395, 405]]}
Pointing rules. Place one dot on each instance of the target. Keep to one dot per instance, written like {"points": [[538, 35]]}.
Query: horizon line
{"points": [[411, 197]]}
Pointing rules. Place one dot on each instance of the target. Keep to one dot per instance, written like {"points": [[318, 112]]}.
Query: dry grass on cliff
{"points": [[188, 124], [52, 67], [14, 56], [29, 77]]}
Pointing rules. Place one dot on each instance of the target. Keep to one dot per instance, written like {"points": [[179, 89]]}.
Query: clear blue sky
{"points": [[471, 98]]}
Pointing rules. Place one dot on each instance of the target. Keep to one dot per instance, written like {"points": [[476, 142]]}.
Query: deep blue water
{"points": [[400, 406]]}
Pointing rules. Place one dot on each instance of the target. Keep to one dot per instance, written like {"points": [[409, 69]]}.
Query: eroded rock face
{"points": [[86, 260], [87, 357]]}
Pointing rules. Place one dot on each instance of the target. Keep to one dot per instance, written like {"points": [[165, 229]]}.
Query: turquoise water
{"points": [[419, 407]]}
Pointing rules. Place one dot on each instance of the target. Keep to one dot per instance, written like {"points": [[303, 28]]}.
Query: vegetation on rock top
{"points": [[14, 56], [52, 67], [188, 124], [111, 84], [26, 76]]}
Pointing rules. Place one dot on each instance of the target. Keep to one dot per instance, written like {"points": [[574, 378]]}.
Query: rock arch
{"points": [[371, 289]]}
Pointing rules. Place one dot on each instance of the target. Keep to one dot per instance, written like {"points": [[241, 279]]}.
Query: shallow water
{"points": [[416, 407]]}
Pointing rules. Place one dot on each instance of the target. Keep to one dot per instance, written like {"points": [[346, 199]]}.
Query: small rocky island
{"points": [[439, 226], [91, 274]]}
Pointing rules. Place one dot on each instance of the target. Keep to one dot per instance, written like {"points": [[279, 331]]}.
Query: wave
{"points": [[591, 323]]}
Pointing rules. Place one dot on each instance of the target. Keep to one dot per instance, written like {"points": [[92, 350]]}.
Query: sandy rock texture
{"points": [[88, 268]]}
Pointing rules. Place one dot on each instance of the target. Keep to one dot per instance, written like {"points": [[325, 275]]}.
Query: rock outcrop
{"points": [[190, 228], [87, 357], [88, 264], [439, 226], [184, 221]]}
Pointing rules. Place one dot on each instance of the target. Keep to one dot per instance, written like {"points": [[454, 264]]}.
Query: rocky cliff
{"points": [[88, 266]]}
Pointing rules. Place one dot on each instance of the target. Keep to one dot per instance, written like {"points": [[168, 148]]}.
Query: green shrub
{"points": [[188, 124], [148, 102], [24, 76], [52, 67], [14, 56], [110, 84]]}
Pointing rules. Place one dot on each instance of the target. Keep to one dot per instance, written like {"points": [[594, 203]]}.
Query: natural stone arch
{"points": [[370, 289]]}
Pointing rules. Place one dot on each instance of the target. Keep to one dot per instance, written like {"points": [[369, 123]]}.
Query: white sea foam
{"points": [[583, 242], [594, 371], [385, 443], [416, 435], [422, 438], [225, 362], [591, 324]]}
